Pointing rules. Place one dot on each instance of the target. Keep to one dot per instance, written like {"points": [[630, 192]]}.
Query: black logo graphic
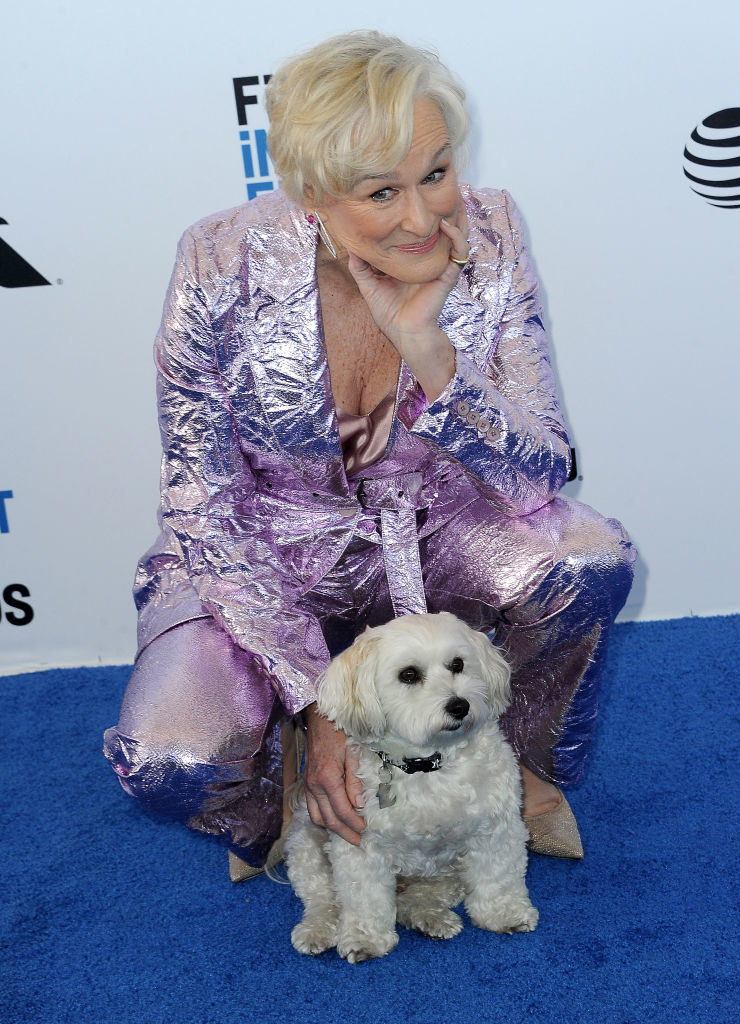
{"points": [[17, 611], [247, 99], [14, 271], [712, 158]]}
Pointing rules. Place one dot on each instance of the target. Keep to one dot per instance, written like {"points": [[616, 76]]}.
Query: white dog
{"points": [[419, 698]]}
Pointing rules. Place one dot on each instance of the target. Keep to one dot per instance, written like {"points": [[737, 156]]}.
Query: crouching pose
{"points": [[419, 701], [359, 421]]}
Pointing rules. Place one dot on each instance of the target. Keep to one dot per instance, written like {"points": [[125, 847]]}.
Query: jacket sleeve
{"points": [[499, 415], [208, 498]]}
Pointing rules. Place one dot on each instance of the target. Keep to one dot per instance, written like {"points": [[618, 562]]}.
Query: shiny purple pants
{"points": [[199, 733]]}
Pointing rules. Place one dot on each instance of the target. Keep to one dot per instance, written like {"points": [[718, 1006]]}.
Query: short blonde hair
{"points": [[344, 109]]}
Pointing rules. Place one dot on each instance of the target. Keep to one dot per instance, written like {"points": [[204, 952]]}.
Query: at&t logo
{"points": [[712, 158]]}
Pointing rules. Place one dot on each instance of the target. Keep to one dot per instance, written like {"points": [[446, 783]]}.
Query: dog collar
{"points": [[411, 765]]}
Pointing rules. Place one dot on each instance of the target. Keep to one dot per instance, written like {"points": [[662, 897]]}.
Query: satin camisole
{"points": [[365, 438]]}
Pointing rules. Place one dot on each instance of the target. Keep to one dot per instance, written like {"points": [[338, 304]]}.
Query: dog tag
{"points": [[385, 799]]}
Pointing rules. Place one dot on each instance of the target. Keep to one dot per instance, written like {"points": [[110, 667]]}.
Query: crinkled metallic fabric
{"points": [[208, 755], [265, 536], [256, 505]]}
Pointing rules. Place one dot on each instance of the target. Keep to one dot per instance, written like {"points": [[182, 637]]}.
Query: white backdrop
{"points": [[120, 128]]}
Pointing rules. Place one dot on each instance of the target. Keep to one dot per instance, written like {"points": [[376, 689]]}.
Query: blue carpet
{"points": [[110, 915]]}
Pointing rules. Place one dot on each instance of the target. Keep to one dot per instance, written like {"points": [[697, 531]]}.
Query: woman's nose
{"points": [[417, 218]]}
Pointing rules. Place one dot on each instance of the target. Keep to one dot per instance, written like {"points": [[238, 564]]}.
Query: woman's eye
{"points": [[411, 674], [456, 665], [382, 195], [436, 175]]}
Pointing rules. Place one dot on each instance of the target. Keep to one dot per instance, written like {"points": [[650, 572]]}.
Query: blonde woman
{"points": [[359, 420]]}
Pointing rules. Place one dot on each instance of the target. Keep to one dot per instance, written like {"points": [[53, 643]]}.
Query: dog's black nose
{"points": [[458, 707]]}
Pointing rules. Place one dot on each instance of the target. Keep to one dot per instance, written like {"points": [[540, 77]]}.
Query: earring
{"points": [[324, 234]]}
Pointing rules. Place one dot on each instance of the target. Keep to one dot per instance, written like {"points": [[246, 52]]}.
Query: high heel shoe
{"points": [[554, 833], [240, 870]]}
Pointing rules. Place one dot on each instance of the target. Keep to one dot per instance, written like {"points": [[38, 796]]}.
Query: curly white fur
{"points": [[449, 834]]}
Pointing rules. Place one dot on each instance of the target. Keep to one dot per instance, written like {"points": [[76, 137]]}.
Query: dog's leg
{"points": [[366, 893], [309, 872], [425, 903], [493, 871]]}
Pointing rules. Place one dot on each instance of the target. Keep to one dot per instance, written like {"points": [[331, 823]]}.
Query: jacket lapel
{"points": [[287, 351]]}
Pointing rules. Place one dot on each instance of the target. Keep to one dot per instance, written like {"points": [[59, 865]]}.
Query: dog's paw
{"points": [[358, 946], [314, 935], [507, 916], [434, 922]]}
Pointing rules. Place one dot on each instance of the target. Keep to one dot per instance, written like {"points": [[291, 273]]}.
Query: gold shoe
{"points": [[240, 870], [554, 833]]}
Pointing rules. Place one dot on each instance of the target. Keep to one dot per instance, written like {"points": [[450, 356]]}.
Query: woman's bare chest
{"points": [[363, 364]]}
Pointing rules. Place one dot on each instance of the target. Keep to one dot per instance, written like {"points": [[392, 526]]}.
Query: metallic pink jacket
{"points": [[256, 506]]}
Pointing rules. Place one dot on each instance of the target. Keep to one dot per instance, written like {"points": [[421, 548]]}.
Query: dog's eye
{"points": [[410, 674], [456, 665]]}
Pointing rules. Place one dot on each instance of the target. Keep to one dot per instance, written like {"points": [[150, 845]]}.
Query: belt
{"points": [[398, 498]]}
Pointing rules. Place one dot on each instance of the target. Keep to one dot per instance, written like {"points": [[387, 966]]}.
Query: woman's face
{"points": [[392, 220]]}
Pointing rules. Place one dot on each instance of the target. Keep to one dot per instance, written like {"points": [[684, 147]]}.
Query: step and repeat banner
{"points": [[616, 127]]}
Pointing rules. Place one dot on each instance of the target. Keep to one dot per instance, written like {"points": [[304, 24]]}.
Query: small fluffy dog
{"points": [[419, 699]]}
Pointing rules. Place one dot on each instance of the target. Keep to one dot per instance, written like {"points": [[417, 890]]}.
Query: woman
{"points": [[359, 420]]}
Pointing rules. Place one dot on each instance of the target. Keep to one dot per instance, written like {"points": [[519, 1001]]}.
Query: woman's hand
{"points": [[407, 313], [332, 789]]}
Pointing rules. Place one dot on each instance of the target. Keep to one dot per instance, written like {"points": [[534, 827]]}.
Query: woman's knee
{"points": [[175, 781], [528, 568], [592, 555], [155, 775], [193, 722]]}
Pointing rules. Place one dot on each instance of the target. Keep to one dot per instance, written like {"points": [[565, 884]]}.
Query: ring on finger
{"points": [[459, 263]]}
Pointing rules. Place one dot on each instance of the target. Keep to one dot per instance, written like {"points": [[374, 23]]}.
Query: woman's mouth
{"points": [[421, 247]]}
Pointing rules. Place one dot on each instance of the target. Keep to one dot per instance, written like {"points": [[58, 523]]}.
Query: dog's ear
{"points": [[348, 695], [496, 672]]}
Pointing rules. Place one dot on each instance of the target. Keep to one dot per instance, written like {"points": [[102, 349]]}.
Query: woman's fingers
{"points": [[362, 271], [314, 811], [461, 218], [457, 233], [353, 784], [332, 809], [331, 784], [357, 266]]}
